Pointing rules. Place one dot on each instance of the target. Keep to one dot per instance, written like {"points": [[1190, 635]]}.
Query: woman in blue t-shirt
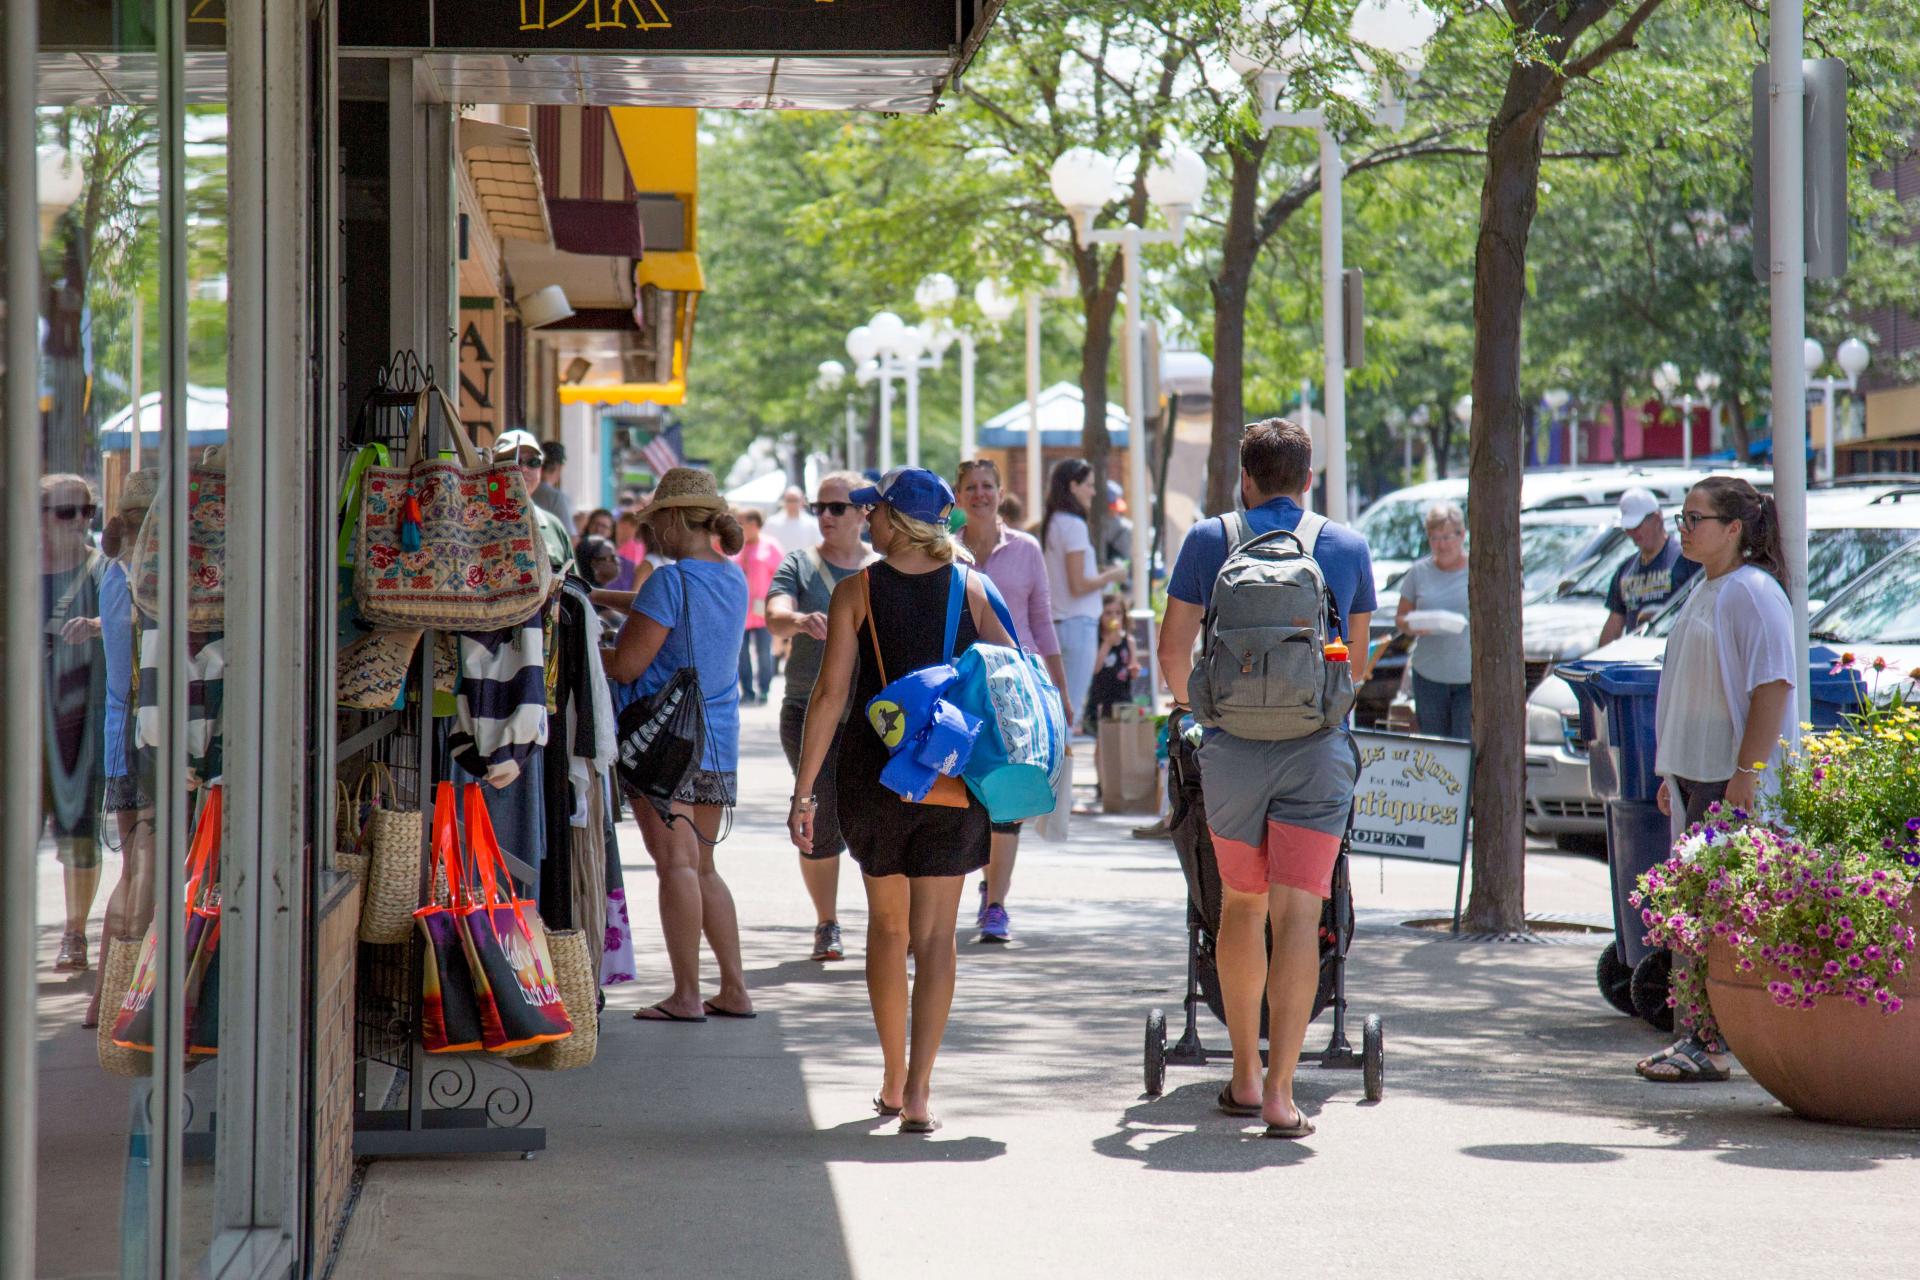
{"points": [[691, 613]]}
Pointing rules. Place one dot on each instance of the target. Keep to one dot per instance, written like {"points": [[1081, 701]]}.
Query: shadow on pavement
{"points": [[1181, 1132]]}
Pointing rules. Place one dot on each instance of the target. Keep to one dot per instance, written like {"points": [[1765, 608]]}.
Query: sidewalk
{"points": [[1514, 1138]]}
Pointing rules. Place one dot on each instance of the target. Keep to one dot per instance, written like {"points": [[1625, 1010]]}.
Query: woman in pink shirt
{"points": [[757, 559], [1013, 561]]}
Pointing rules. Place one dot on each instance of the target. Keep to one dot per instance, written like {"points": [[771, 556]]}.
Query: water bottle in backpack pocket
{"points": [[1264, 672]]}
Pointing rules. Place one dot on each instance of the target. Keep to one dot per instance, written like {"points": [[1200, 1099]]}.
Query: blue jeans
{"points": [[756, 645], [1442, 710], [1079, 646]]}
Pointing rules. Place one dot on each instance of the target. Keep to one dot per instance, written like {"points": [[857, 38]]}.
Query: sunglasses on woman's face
{"points": [[833, 508], [70, 510]]}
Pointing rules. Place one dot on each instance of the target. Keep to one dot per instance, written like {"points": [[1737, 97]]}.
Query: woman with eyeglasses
{"points": [[75, 698], [1442, 660], [1017, 566], [797, 605], [1073, 580], [1725, 705]]}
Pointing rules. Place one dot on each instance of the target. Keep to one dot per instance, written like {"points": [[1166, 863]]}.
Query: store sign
{"points": [[655, 26], [480, 371], [1412, 798], [125, 25]]}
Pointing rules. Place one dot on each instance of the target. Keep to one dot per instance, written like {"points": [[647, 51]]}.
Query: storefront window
{"points": [[139, 1001]]}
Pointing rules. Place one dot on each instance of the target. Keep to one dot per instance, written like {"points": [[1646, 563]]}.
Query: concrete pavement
{"points": [[1513, 1137]]}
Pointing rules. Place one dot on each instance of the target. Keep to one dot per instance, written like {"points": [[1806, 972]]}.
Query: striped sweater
{"points": [[500, 707]]}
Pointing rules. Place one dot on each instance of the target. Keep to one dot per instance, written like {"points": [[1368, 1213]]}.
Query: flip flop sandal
{"points": [[1232, 1106], [718, 1012], [1300, 1128], [882, 1109], [1690, 1065], [663, 1014], [919, 1127]]}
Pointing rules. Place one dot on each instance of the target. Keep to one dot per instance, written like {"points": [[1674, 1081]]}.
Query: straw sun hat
{"points": [[687, 487], [138, 490]]}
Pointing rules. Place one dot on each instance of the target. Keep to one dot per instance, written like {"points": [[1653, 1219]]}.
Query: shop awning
{"points": [[506, 177]]}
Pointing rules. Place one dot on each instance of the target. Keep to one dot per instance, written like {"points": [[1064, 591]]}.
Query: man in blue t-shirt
{"points": [[1276, 811], [1651, 576]]}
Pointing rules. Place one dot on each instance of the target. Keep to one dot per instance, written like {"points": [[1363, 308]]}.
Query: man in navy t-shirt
{"points": [[1651, 576], [1276, 811]]}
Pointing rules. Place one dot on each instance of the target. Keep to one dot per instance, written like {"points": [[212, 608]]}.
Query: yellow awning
{"points": [[668, 393], [676, 272]]}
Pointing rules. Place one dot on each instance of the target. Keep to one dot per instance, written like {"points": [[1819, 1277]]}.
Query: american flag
{"points": [[663, 451]]}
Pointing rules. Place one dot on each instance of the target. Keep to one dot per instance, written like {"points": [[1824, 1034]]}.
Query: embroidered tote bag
{"points": [[447, 543], [206, 548]]}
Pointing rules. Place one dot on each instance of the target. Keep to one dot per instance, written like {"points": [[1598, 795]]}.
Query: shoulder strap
{"points": [[1238, 528], [91, 569], [1000, 611], [1308, 530], [956, 601], [873, 632]]}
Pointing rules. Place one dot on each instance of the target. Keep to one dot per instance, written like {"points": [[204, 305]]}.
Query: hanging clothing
{"points": [[500, 706]]}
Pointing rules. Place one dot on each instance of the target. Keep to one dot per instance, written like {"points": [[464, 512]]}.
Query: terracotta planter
{"points": [[1836, 1061]]}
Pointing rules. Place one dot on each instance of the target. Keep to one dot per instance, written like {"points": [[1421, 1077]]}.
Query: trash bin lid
{"points": [[1627, 679]]}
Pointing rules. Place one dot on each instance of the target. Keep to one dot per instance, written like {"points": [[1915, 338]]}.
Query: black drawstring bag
{"points": [[661, 736]]}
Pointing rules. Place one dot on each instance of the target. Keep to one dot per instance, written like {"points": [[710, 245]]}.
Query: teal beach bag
{"points": [[1022, 747]]}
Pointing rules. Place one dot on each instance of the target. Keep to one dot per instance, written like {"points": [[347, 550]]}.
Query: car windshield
{"points": [[1550, 551], [1885, 609], [1596, 577], [1397, 530]]}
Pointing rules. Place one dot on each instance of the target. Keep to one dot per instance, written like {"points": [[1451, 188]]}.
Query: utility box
{"points": [[1824, 111]]}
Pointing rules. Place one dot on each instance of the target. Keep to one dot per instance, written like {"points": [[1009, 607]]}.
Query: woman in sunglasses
{"points": [[1725, 704], [797, 604], [75, 695]]}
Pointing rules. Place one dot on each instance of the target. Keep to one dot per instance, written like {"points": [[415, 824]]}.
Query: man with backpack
{"points": [[1278, 598]]}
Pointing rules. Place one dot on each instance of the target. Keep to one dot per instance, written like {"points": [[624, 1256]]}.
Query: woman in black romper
{"points": [[914, 856]]}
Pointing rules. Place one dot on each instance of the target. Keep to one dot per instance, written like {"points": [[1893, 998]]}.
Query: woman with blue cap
{"points": [[890, 620]]}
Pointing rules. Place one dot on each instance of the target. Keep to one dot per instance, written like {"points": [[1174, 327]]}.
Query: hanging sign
{"points": [[1412, 797], [655, 26]]}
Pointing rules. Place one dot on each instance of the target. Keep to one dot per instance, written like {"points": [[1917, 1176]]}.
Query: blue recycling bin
{"points": [[1835, 694], [1617, 701]]}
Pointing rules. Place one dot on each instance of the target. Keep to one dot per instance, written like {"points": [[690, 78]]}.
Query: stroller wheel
{"points": [[1615, 977], [1156, 1055], [1373, 1058], [1651, 981]]}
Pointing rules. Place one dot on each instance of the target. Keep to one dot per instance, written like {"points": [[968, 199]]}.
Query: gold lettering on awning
{"points": [[607, 15]]}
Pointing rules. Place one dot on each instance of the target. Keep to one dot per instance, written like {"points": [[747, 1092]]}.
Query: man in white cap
{"points": [[1651, 576], [792, 527], [523, 449]]}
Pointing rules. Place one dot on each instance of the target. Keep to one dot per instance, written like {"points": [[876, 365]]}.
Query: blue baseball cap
{"points": [[912, 491]]}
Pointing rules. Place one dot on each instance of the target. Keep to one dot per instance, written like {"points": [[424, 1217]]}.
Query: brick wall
{"points": [[332, 1117]]}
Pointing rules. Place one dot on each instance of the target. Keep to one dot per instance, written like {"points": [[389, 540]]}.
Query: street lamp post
{"points": [[1666, 380], [1400, 29], [1853, 358], [1706, 382], [935, 297], [1084, 181], [864, 347], [832, 377]]}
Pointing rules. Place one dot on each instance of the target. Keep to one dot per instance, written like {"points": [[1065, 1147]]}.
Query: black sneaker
{"points": [[826, 942]]}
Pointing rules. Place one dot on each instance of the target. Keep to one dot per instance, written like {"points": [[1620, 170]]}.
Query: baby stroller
{"points": [[1188, 821]]}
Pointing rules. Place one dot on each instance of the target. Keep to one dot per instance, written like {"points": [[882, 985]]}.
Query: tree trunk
{"points": [[1096, 354], [1439, 437], [1737, 423], [1508, 201], [1239, 250], [1617, 394]]}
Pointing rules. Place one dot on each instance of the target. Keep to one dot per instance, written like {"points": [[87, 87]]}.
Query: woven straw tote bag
{"points": [[576, 970], [116, 976], [391, 841]]}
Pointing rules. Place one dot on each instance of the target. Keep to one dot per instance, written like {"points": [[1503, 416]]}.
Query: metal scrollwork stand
{"points": [[430, 1108]]}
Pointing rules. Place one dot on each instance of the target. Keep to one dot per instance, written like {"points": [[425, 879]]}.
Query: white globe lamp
{"points": [[1853, 357], [1178, 179], [996, 303], [1082, 179], [862, 345], [1814, 354], [936, 292]]}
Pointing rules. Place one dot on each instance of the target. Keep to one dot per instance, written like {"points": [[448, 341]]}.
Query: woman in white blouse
{"points": [[1073, 577], [1726, 690]]}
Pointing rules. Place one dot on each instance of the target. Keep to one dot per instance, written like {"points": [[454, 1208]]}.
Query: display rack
{"points": [[406, 1101]]}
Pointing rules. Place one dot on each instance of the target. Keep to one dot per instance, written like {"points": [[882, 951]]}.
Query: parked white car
{"points": [[1851, 529]]}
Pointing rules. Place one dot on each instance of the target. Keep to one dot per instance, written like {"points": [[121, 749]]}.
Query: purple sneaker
{"points": [[993, 925], [980, 915]]}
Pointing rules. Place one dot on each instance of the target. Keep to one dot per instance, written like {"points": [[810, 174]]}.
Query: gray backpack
{"points": [[1263, 673]]}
